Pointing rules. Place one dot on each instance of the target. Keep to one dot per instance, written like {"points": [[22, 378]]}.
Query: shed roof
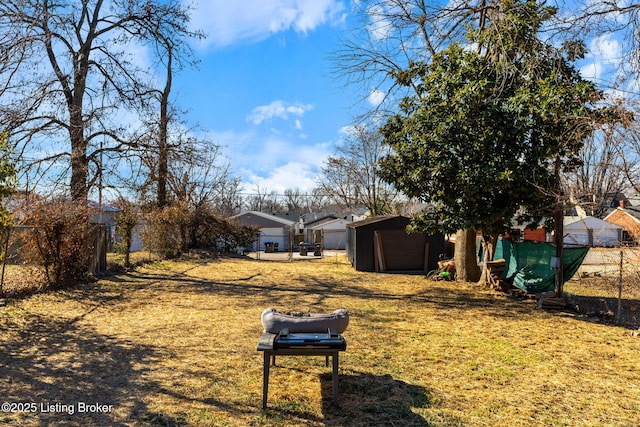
{"points": [[375, 220]]}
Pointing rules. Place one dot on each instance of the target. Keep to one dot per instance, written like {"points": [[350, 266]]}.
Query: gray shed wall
{"points": [[360, 242]]}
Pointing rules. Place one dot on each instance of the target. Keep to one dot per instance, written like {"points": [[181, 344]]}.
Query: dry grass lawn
{"points": [[174, 344]]}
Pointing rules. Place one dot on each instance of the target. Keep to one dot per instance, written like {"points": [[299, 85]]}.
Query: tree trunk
{"points": [[79, 171], [465, 256], [163, 145], [79, 162]]}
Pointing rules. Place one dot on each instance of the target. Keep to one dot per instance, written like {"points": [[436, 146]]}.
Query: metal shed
{"points": [[383, 241]]}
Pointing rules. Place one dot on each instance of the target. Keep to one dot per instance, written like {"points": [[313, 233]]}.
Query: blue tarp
{"points": [[528, 264]]}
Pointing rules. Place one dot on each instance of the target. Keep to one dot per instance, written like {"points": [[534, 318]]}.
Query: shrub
{"points": [[166, 230], [125, 221], [178, 228], [62, 239], [214, 232]]}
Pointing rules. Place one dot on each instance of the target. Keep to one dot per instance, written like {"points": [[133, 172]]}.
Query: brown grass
{"points": [[175, 344]]}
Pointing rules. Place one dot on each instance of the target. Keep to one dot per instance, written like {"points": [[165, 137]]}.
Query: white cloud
{"points": [[278, 109], [228, 22], [290, 176], [606, 48], [376, 97], [347, 130], [379, 25], [591, 71], [604, 55], [274, 162]]}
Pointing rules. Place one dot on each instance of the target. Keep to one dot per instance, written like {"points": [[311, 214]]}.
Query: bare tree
{"points": [[603, 173], [197, 172], [612, 26], [226, 199], [313, 201], [76, 75], [263, 201], [294, 200], [317, 201], [351, 177], [390, 34], [605, 18], [173, 54]]}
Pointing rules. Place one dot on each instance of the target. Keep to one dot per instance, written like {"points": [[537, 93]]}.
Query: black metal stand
{"points": [[270, 352]]}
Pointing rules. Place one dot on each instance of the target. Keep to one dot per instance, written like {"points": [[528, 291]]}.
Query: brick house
{"points": [[627, 217]]}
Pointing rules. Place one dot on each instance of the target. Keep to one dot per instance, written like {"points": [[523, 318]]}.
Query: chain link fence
{"points": [[607, 286]]}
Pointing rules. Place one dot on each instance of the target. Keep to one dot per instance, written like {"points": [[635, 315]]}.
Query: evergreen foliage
{"points": [[481, 137]]}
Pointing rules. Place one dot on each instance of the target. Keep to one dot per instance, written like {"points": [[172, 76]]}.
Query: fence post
{"points": [[4, 258], [619, 314]]}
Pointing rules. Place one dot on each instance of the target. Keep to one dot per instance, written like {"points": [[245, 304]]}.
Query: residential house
{"points": [[276, 232], [329, 232], [627, 217], [591, 231]]}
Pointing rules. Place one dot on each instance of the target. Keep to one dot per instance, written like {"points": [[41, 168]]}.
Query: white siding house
{"points": [[591, 231], [332, 233], [273, 229]]}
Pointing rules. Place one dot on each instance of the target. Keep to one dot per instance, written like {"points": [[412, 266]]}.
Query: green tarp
{"points": [[528, 264]]}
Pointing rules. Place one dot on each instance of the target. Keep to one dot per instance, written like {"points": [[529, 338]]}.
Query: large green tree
{"points": [[488, 131]]}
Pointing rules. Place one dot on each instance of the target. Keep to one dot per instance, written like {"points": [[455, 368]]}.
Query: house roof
{"points": [[329, 224], [262, 219], [105, 207], [290, 215], [633, 212], [319, 219], [588, 222]]}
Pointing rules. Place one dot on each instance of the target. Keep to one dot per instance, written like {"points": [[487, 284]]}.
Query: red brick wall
{"points": [[630, 224], [537, 235]]}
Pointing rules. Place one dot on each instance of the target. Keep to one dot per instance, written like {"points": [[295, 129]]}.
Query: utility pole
{"points": [[558, 238]]}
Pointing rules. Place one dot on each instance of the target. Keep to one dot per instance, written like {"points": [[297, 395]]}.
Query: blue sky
{"points": [[265, 89]]}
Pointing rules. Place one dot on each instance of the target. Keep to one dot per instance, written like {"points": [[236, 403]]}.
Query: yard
{"points": [[174, 344]]}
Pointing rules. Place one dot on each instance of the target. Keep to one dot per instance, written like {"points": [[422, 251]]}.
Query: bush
{"points": [[165, 230], [220, 234], [177, 228], [125, 221], [62, 239]]}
